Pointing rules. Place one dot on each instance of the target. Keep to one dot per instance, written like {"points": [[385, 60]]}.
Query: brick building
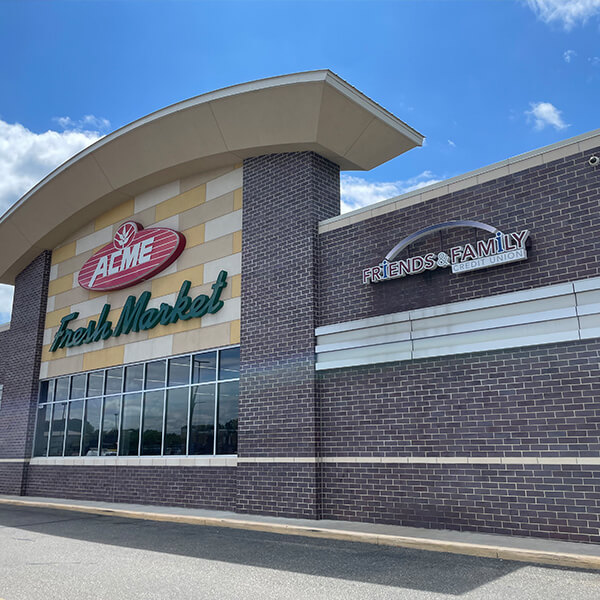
{"points": [[430, 360]]}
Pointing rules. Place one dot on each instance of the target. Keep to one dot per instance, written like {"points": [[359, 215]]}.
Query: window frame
{"points": [[51, 403]]}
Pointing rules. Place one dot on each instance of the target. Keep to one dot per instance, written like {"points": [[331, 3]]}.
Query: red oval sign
{"points": [[134, 255]]}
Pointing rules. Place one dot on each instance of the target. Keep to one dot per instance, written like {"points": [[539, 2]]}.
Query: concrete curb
{"points": [[562, 559]]}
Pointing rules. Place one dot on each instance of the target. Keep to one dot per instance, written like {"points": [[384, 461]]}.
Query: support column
{"points": [[21, 348], [285, 197]]}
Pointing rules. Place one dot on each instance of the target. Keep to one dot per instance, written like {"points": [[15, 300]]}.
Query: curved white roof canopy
{"points": [[307, 111]]}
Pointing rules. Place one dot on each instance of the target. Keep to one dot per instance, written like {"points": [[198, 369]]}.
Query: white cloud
{"points": [[27, 157], [567, 13], [358, 192], [569, 55], [594, 61], [451, 144], [545, 113], [86, 123]]}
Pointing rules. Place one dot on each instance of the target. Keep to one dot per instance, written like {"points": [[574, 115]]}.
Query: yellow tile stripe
{"points": [[63, 253], [234, 332], [116, 214], [53, 318], [62, 284], [237, 241], [236, 286], [194, 236], [237, 199], [103, 358], [178, 204], [171, 283]]}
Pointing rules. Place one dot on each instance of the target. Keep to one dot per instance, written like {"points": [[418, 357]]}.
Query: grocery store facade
{"points": [[195, 324]]}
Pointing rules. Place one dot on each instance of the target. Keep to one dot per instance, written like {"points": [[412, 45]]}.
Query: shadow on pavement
{"points": [[399, 567]]}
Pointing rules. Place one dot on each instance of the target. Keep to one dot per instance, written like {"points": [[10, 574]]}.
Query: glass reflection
{"points": [[179, 371], [73, 440], [229, 364], [176, 421], [204, 367], [42, 429], [44, 392], [228, 418], [57, 433], [130, 425], [114, 380], [202, 419], [110, 426], [77, 386], [155, 374], [134, 377], [91, 427], [95, 384], [197, 421], [152, 423], [62, 389]]}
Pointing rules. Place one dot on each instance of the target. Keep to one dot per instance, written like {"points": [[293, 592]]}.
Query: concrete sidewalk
{"points": [[524, 549]]}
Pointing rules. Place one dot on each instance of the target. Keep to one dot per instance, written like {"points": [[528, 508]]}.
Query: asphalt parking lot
{"points": [[52, 554]]}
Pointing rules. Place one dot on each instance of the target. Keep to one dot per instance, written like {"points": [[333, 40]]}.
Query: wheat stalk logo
{"points": [[124, 235]]}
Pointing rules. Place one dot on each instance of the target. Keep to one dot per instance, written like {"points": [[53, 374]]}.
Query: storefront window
{"points": [[179, 371], [43, 429], [91, 427], [110, 426], [155, 374], [176, 421], [228, 417], [57, 433], [95, 385], [77, 387], [130, 425], [73, 440], [202, 419], [152, 423], [205, 367], [190, 407], [134, 378], [114, 381]]}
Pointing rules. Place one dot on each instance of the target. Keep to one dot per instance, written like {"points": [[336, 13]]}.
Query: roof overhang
{"points": [[315, 111]]}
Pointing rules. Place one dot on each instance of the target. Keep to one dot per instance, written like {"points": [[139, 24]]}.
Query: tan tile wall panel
{"points": [[207, 208]]}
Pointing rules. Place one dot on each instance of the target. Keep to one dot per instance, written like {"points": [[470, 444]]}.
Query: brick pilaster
{"points": [[285, 196]]}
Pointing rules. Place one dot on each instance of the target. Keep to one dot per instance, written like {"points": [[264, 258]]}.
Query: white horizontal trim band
{"points": [[233, 461], [438, 460], [147, 461], [550, 314]]}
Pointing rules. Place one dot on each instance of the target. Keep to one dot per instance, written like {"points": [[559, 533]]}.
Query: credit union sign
{"points": [[500, 248]]}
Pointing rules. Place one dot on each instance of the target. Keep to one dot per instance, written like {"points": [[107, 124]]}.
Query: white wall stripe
{"points": [[545, 315], [436, 460], [232, 461], [144, 461]]}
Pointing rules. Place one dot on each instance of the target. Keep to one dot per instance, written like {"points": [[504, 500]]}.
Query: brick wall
{"points": [[522, 402], [285, 196], [541, 401], [192, 487], [558, 202], [21, 350], [554, 501]]}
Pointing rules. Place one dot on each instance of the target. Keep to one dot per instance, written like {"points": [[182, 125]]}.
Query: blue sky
{"points": [[481, 79]]}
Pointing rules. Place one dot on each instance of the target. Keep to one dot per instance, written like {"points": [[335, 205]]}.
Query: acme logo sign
{"points": [[134, 255]]}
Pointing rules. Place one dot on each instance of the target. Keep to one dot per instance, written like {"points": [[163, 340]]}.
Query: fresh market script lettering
{"points": [[500, 249], [136, 316]]}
